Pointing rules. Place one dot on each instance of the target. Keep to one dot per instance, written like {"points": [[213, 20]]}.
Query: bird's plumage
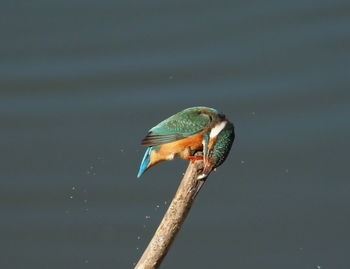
{"points": [[193, 129], [145, 161], [219, 150], [179, 126]]}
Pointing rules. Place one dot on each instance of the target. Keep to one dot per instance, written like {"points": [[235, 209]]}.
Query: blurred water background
{"points": [[81, 82]]}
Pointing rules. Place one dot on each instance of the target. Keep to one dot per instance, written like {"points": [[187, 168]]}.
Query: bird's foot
{"points": [[194, 158]]}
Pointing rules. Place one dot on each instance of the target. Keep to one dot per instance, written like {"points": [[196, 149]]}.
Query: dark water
{"points": [[83, 81]]}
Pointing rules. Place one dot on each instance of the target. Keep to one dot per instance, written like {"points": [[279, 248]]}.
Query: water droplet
{"points": [[86, 261], [253, 113], [287, 170], [318, 266], [242, 162], [71, 197], [73, 188], [85, 201], [148, 217], [139, 237]]}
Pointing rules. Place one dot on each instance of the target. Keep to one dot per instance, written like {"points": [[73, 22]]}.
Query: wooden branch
{"points": [[173, 218]]}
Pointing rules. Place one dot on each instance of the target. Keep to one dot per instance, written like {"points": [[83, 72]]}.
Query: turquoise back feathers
{"points": [[181, 125]]}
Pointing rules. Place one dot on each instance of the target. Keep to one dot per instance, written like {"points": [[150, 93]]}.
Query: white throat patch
{"points": [[217, 129]]}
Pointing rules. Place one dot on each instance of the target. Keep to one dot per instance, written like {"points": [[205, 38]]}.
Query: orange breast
{"points": [[211, 142], [181, 147], [193, 143]]}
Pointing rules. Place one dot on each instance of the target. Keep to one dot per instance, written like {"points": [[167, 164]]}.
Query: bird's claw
{"points": [[195, 158]]}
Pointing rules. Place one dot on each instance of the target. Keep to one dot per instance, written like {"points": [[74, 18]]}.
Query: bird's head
{"points": [[220, 149]]}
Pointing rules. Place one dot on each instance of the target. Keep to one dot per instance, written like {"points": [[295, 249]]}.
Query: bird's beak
{"points": [[206, 171], [206, 158]]}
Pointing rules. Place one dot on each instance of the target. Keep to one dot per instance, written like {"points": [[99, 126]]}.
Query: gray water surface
{"points": [[81, 82]]}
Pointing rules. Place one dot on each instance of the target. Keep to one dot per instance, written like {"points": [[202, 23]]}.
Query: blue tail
{"points": [[145, 161]]}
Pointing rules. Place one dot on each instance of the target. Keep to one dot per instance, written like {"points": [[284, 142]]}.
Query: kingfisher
{"points": [[187, 132]]}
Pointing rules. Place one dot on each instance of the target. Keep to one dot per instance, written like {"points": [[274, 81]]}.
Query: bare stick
{"points": [[173, 218]]}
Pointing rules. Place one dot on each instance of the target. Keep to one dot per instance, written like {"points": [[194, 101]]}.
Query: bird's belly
{"points": [[193, 143], [182, 148]]}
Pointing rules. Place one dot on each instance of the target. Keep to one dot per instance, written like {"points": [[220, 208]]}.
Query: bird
{"points": [[195, 129]]}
